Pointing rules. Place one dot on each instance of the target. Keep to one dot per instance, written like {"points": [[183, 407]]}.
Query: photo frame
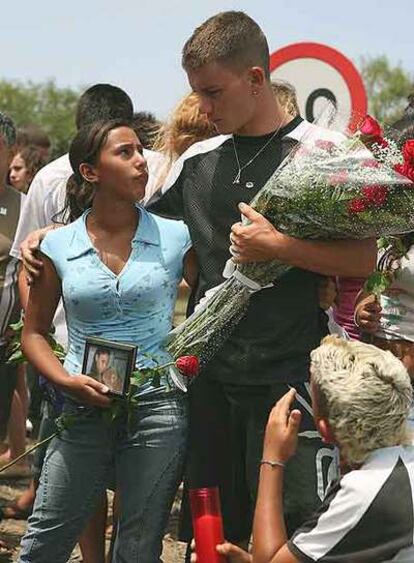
{"points": [[109, 362]]}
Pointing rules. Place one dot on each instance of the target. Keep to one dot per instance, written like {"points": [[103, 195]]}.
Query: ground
{"points": [[12, 530]]}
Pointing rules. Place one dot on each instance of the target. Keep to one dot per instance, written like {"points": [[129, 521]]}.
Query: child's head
{"points": [[361, 397]]}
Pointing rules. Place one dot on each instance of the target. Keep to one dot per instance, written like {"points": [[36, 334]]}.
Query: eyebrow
{"points": [[128, 144]]}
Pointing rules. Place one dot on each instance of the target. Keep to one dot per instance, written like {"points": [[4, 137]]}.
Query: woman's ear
{"points": [[325, 431], [88, 173]]}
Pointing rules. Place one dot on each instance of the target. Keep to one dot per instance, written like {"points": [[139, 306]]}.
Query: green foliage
{"points": [[14, 352], [387, 88], [44, 104]]}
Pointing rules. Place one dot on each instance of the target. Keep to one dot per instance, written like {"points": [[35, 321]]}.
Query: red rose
{"points": [[375, 194], [325, 145], [370, 163], [357, 205], [371, 127], [338, 178], [408, 151], [188, 365], [381, 142], [405, 170]]}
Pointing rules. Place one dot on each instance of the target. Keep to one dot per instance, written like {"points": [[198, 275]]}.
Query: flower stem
{"points": [[28, 451]]}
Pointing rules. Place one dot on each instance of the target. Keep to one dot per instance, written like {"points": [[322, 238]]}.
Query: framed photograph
{"points": [[110, 363]]}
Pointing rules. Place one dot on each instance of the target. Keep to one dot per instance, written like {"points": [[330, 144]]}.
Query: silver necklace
{"points": [[250, 184]]}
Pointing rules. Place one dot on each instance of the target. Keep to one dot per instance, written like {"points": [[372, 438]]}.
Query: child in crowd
{"points": [[361, 398]]}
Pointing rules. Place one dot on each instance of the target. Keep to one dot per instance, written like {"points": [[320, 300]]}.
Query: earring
{"points": [[255, 92]]}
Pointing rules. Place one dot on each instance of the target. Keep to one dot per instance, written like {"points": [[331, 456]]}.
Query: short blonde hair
{"points": [[365, 393], [286, 95]]}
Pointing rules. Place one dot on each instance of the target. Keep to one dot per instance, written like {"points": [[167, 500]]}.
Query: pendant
{"points": [[249, 185], [237, 178]]}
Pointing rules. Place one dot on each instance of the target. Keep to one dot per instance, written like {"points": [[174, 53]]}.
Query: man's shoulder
{"points": [[197, 151], [54, 172], [11, 195]]}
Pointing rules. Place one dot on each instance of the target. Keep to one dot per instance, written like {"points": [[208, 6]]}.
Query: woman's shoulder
{"points": [[171, 232], [61, 237], [165, 225]]}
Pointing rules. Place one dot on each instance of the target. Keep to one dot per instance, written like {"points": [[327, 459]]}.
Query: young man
{"points": [[361, 398], [227, 63]]}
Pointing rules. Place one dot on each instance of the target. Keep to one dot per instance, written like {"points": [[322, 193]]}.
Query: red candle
{"points": [[207, 524]]}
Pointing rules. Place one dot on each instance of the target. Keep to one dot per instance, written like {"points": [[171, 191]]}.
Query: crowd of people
{"points": [[306, 435]]}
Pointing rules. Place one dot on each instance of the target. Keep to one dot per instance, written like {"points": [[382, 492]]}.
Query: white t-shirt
{"points": [[397, 317], [46, 198]]}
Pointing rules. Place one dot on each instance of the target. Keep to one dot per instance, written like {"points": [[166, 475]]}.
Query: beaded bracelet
{"points": [[272, 463]]}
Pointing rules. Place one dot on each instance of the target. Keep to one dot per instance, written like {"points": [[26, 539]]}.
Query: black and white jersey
{"points": [[283, 323], [366, 517]]}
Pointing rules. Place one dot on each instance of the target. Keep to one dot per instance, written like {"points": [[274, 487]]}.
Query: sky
{"points": [[136, 44]]}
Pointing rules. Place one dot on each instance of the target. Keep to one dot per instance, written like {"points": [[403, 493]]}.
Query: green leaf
{"points": [[378, 282]]}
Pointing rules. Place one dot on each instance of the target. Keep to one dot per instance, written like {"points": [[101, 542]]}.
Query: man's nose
{"points": [[206, 106]]}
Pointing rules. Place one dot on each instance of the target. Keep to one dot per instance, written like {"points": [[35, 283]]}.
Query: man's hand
{"points": [[282, 430], [257, 241], [368, 314], [87, 391], [29, 247], [231, 552]]}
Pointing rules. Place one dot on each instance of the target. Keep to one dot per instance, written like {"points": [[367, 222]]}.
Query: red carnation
{"points": [[381, 142], [325, 145], [357, 205], [188, 365], [375, 194], [408, 152], [405, 170], [371, 127]]}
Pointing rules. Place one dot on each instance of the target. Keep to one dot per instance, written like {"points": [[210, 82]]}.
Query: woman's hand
{"points": [[231, 552], [87, 391], [368, 314], [282, 430]]}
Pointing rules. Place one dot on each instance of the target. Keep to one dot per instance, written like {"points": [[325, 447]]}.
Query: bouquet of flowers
{"points": [[359, 187]]}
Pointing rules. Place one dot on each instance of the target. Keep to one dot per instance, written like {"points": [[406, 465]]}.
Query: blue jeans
{"points": [[148, 453]]}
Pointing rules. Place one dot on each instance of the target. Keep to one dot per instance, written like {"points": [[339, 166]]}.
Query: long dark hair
{"points": [[85, 149]]}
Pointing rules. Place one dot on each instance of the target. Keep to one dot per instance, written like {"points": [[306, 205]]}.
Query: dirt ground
{"points": [[11, 531]]}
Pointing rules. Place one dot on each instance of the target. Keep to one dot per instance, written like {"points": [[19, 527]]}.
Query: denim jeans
{"points": [[148, 452]]}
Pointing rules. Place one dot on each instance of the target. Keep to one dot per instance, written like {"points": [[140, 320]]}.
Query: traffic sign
{"points": [[320, 73]]}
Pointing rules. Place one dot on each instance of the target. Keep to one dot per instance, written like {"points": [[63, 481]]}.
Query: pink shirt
{"points": [[348, 289]]}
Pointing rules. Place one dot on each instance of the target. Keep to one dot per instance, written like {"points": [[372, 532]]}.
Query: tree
{"points": [[43, 104], [387, 88]]}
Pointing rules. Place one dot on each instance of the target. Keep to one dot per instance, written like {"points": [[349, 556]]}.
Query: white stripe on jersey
{"points": [[358, 490]]}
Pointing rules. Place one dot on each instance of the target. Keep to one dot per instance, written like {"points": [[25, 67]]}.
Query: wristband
{"points": [[272, 463]]}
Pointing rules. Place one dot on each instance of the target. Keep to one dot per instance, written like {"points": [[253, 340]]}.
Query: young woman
{"points": [[24, 166], [117, 268]]}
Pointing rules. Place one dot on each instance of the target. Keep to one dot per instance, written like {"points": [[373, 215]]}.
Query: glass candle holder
{"points": [[207, 524]]}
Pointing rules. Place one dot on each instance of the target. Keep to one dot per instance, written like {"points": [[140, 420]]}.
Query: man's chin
{"points": [[223, 128]]}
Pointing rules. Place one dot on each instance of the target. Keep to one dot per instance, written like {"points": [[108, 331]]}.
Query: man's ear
{"points": [[325, 431], [88, 173], [257, 78]]}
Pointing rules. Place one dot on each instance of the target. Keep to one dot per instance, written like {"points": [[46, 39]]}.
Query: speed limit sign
{"points": [[320, 73]]}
